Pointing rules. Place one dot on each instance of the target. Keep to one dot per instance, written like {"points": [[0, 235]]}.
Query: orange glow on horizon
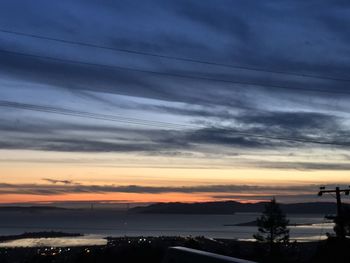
{"points": [[19, 167], [119, 198]]}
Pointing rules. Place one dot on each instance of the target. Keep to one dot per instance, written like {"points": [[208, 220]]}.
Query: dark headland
{"points": [[231, 207]]}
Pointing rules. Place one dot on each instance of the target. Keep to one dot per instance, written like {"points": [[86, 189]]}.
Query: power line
{"points": [[68, 112], [339, 218], [169, 57], [166, 74]]}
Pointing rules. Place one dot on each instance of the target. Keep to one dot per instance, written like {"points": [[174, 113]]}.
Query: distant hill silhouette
{"points": [[231, 207]]}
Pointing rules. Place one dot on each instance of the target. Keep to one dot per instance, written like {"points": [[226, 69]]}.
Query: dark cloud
{"points": [[52, 189], [55, 181], [291, 120], [255, 131], [76, 145], [227, 137], [331, 166]]}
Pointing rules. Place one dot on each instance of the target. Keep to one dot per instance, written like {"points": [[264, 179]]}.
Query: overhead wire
{"points": [[83, 114], [68, 112], [155, 123], [170, 57], [174, 75]]}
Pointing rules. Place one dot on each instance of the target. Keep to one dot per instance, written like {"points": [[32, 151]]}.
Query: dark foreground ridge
{"points": [[231, 207], [153, 250]]}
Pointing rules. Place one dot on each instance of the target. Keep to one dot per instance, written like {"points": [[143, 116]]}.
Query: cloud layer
{"points": [[63, 187], [300, 193], [223, 111]]}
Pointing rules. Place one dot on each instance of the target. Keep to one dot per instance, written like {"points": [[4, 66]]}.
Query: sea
{"points": [[97, 224]]}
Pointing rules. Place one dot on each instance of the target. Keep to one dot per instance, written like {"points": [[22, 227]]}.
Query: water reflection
{"points": [[87, 240]]}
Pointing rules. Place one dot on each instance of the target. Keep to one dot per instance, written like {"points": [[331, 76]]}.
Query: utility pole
{"points": [[339, 217]]}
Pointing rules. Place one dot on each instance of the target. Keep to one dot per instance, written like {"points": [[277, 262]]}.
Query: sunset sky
{"points": [[105, 101]]}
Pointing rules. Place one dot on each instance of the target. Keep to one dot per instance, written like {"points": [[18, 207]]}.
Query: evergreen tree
{"points": [[272, 225]]}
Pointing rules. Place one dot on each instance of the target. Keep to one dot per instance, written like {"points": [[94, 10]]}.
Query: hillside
{"points": [[231, 207]]}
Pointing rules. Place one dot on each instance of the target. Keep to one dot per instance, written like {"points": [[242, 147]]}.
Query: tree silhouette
{"points": [[272, 225]]}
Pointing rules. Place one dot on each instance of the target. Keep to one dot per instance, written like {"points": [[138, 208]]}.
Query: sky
{"points": [[173, 100]]}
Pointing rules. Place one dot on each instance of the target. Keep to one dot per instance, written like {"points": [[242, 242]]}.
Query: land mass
{"points": [[231, 207], [223, 208], [153, 249]]}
